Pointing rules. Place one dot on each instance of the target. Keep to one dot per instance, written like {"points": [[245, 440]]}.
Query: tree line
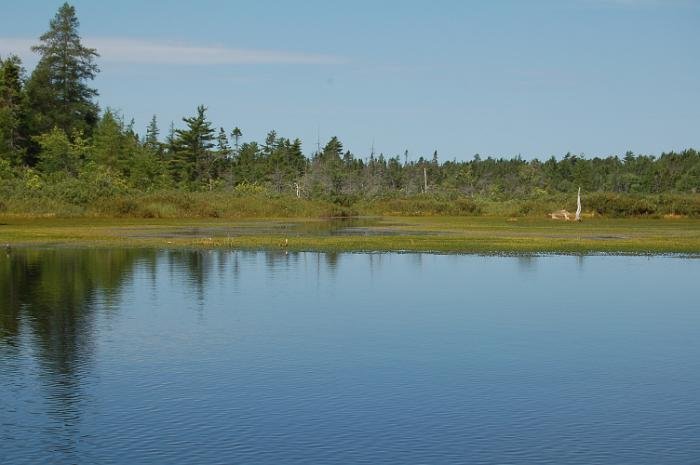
{"points": [[52, 131]]}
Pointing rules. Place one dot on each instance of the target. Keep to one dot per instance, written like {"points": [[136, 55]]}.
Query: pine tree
{"points": [[333, 150], [170, 139], [147, 172], [110, 141], [270, 141], [11, 109], [57, 90], [152, 132], [193, 158], [222, 144], [248, 163], [151, 142], [330, 165], [296, 158], [236, 134]]}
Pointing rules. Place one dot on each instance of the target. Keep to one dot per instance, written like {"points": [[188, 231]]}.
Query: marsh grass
{"points": [[435, 222], [417, 234]]}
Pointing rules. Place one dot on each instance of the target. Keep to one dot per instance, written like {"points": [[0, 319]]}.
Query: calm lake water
{"points": [[131, 356]]}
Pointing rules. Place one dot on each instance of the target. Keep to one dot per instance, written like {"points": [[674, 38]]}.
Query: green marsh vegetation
{"points": [[61, 156], [463, 234]]}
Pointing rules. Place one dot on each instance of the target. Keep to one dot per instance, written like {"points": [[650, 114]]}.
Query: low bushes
{"points": [[97, 191], [216, 204], [618, 205], [688, 205], [421, 205]]}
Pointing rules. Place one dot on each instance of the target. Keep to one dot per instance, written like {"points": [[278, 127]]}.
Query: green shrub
{"points": [[158, 210], [123, 206], [467, 207], [249, 188], [621, 205], [681, 204]]}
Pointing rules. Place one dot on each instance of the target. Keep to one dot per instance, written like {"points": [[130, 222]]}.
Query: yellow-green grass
{"points": [[416, 234]]}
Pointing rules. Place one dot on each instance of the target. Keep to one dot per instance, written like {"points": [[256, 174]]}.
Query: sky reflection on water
{"points": [[146, 356]]}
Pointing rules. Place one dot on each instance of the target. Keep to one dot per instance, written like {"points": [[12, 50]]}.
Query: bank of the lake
{"points": [[416, 234]]}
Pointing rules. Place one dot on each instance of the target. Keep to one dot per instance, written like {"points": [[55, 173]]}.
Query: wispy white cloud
{"points": [[127, 50]]}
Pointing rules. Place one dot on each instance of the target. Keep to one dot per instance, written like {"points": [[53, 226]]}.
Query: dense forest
{"points": [[58, 147]]}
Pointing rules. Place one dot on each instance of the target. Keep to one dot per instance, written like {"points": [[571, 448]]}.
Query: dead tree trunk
{"points": [[578, 205]]}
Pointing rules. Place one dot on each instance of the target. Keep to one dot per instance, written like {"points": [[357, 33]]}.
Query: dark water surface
{"points": [[131, 356], [368, 226]]}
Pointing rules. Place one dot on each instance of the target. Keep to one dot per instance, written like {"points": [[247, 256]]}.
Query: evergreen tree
{"points": [[193, 157], [333, 150], [236, 134], [11, 109], [152, 132], [170, 139], [222, 144], [146, 172], [223, 163], [296, 158], [329, 164], [270, 141], [109, 141], [151, 142], [57, 90], [247, 163]]}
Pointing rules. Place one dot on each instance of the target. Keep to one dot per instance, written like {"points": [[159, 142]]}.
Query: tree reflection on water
{"points": [[50, 296]]}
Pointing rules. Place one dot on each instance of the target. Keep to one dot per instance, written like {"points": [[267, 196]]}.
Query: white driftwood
{"points": [[578, 205], [560, 215], [565, 215]]}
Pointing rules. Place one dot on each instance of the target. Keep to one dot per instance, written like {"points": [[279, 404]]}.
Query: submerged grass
{"points": [[415, 234]]}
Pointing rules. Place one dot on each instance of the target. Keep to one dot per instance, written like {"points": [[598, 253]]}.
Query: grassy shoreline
{"points": [[442, 234]]}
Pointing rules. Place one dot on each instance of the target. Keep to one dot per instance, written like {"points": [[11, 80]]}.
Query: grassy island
{"points": [[482, 234]]}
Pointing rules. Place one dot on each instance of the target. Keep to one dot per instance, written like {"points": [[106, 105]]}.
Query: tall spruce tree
{"points": [[170, 140], [333, 150], [193, 158], [222, 145], [152, 132], [58, 90], [11, 109], [110, 144], [151, 142]]}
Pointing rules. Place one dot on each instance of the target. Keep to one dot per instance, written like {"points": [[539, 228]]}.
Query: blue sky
{"points": [[498, 77]]}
